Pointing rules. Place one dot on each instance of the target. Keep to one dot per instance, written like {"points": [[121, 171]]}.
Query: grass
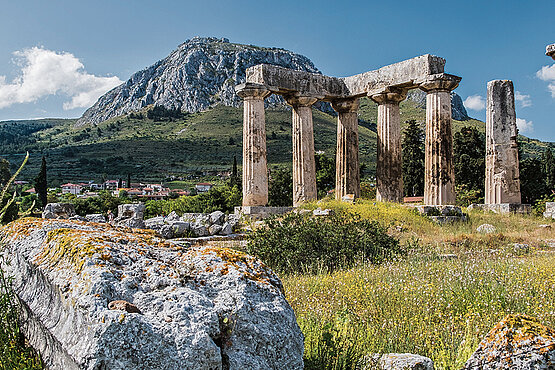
{"points": [[440, 301]]}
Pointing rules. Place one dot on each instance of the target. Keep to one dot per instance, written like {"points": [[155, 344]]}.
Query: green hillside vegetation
{"points": [[151, 149]]}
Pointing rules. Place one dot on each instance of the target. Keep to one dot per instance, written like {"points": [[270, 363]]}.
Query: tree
{"points": [[41, 185], [469, 149], [413, 159], [548, 163], [532, 180], [5, 173], [129, 180], [325, 174], [280, 192], [234, 180]]}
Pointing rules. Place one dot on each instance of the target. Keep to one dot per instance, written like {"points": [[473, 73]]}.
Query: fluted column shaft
{"points": [[255, 168], [347, 169], [439, 174], [389, 164], [304, 164]]}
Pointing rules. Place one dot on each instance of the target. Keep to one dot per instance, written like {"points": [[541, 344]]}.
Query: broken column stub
{"points": [[255, 167], [347, 173], [550, 51], [304, 164], [439, 174], [389, 165], [502, 183]]}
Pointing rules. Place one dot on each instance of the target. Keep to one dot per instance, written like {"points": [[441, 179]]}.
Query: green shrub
{"points": [[299, 243]]}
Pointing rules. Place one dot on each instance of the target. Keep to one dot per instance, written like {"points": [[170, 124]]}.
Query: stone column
{"points": [[255, 168], [502, 173], [550, 51], [347, 171], [304, 164], [439, 174], [389, 164]]}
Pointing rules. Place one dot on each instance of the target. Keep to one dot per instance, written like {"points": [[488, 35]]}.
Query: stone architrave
{"points": [[439, 174], [347, 171], [550, 51], [304, 164], [502, 172], [389, 165], [255, 167]]}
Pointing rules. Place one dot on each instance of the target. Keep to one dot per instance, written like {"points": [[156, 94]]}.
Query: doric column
{"points": [[439, 178], [255, 168], [502, 173], [304, 164], [389, 165], [347, 171]]}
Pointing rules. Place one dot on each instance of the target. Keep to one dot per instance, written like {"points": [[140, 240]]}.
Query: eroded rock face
{"points": [[58, 210], [517, 342], [193, 308]]}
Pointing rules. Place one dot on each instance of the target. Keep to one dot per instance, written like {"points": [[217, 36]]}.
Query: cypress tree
{"points": [[41, 186], [413, 159], [129, 180], [235, 173]]}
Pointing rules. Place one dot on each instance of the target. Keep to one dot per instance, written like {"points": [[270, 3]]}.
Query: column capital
{"points": [[440, 82], [300, 101], [345, 105], [389, 95], [252, 90], [550, 51]]}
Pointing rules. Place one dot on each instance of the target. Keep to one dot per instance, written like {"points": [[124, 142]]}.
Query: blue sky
{"points": [[89, 47]]}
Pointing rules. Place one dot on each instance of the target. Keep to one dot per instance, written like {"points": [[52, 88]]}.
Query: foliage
{"points": [[8, 208], [102, 204], [539, 206], [466, 196], [159, 113], [299, 242], [325, 174], [219, 198], [469, 149], [413, 159], [14, 353], [280, 187], [532, 180], [367, 190], [41, 184], [5, 173], [548, 163]]}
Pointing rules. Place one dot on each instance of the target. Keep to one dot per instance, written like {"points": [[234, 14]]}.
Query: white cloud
{"points": [[547, 73], [523, 99], [474, 102], [46, 72], [524, 126]]}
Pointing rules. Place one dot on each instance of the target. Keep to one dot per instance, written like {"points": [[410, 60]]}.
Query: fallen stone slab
{"points": [[97, 297], [517, 342]]}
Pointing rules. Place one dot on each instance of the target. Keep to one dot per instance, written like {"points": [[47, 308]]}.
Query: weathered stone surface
{"points": [[395, 361], [550, 51], [347, 169], [214, 229], [503, 208], [304, 164], [217, 217], [255, 167], [486, 229], [502, 172], [58, 210], [200, 308], [173, 216], [96, 217], [389, 159], [227, 229], [439, 173], [517, 342], [133, 210], [549, 210], [322, 212]]}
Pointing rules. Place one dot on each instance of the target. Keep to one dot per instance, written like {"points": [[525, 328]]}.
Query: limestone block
{"points": [[95, 297], [517, 342], [395, 361], [96, 217], [217, 217], [486, 229], [58, 210], [502, 172], [214, 229], [134, 210]]}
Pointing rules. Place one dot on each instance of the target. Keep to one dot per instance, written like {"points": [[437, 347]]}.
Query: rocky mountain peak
{"points": [[200, 73]]}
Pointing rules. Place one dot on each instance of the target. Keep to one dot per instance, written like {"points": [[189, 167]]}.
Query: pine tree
{"points": [[41, 186], [413, 159], [548, 163], [469, 150]]}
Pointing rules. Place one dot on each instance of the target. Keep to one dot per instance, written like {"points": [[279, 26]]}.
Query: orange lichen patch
{"points": [[515, 329], [22, 227], [249, 267]]}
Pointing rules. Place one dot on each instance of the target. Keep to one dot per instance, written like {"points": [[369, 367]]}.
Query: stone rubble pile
{"points": [[193, 224]]}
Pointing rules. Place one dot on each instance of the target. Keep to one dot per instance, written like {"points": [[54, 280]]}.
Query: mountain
{"points": [[201, 73]]}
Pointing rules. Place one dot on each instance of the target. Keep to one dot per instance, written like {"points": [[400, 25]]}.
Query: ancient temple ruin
{"points": [[387, 87], [550, 51]]}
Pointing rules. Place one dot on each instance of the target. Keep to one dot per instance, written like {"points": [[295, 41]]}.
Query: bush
{"points": [[302, 243]]}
